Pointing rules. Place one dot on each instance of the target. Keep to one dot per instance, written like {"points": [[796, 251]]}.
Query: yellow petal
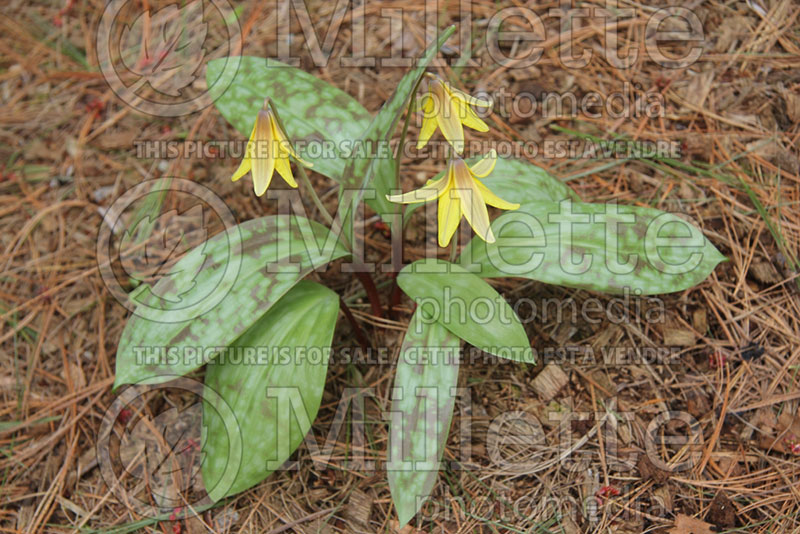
{"points": [[302, 161], [493, 200], [284, 144], [449, 216], [428, 121], [263, 157], [429, 191], [449, 120], [282, 149], [244, 168], [262, 174], [473, 206], [469, 118], [285, 170], [486, 165], [465, 97]]}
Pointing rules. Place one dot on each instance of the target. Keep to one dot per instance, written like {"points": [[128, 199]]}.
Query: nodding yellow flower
{"points": [[268, 150], [460, 192], [449, 108]]}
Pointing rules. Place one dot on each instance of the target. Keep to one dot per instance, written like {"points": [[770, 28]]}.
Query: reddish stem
{"points": [[372, 293], [394, 297], [360, 336]]}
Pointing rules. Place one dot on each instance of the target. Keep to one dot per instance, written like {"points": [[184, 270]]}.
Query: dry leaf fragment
{"points": [[690, 525], [648, 471], [722, 512]]}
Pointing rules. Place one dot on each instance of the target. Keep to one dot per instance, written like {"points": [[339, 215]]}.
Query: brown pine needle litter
{"points": [[573, 458]]}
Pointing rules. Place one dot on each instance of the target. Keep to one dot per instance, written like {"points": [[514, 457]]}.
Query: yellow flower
{"points": [[268, 150], [460, 192], [449, 108]]}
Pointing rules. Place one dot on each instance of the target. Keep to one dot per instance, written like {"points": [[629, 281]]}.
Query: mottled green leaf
{"points": [[423, 399], [467, 306], [522, 182], [321, 120], [219, 290], [377, 169], [518, 181], [275, 393], [602, 247]]}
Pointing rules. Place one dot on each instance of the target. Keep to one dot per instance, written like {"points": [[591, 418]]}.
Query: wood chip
{"points": [[550, 381], [700, 320], [678, 337], [358, 508]]}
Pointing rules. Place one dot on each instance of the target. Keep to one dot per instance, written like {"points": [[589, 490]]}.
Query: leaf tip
{"points": [[122, 378], [528, 356], [118, 383], [404, 517]]}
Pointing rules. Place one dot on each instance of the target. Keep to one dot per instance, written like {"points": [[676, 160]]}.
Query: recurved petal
{"points": [[297, 158], [262, 159], [429, 191], [249, 148], [284, 145], [301, 160], [472, 203], [244, 168], [449, 214], [469, 118], [285, 169], [492, 199], [485, 166], [450, 124], [262, 171], [428, 120], [465, 97]]}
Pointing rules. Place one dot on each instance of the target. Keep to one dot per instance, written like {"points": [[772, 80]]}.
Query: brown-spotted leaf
{"points": [[274, 395], [603, 247], [423, 399], [181, 322], [467, 306], [153, 258]]}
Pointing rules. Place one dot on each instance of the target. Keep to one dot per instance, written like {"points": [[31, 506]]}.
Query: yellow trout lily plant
{"points": [[260, 300]]}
